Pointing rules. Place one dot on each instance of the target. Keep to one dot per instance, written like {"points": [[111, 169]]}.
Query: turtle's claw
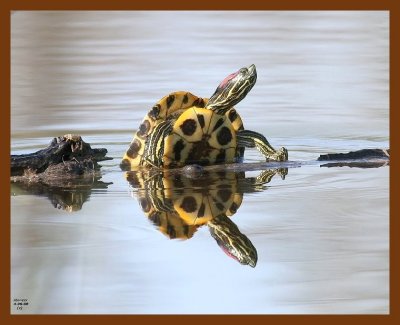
{"points": [[282, 154], [279, 155]]}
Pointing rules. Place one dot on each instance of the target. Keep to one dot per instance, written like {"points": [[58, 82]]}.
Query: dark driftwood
{"points": [[67, 170], [364, 158], [66, 157], [357, 155], [69, 157]]}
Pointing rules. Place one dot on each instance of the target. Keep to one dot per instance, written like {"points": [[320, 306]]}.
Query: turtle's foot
{"points": [[282, 172], [279, 155]]}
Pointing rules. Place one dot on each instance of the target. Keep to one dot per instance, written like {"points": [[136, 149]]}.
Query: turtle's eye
{"points": [[243, 70]]}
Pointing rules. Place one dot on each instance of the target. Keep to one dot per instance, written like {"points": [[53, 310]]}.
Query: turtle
{"points": [[183, 129], [178, 204]]}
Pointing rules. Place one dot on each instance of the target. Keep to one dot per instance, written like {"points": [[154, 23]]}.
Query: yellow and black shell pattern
{"points": [[178, 205], [198, 134]]}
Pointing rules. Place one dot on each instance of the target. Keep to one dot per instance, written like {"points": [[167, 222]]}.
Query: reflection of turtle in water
{"points": [[178, 205], [183, 129]]}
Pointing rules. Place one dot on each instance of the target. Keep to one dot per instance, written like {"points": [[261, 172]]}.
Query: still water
{"points": [[321, 234]]}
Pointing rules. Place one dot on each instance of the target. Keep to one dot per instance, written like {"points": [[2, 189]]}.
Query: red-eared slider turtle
{"points": [[183, 129], [178, 204]]}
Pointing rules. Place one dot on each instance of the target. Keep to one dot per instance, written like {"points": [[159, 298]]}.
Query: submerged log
{"points": [[66, 157], [69, 157], [357, 155], [364, 158]]}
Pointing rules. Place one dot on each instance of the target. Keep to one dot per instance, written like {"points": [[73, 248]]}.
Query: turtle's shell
{"points": [[200, 136], [180, 108], [178, 205]]}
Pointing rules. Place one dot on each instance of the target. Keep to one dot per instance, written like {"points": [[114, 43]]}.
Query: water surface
{"points": [[321, 234]]}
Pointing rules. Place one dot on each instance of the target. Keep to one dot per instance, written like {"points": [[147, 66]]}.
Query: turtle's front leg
{"points": [[251, 139], [281, 155]]}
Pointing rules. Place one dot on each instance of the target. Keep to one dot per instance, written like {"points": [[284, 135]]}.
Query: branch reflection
{"points": [[64, 195]]}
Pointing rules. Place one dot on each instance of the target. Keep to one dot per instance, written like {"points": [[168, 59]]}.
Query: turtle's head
{"points": [[232, 241], [233, 89]]}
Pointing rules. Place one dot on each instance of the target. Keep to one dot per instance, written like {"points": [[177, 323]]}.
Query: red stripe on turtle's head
{"points": [[232, 89], [227, 79]]}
